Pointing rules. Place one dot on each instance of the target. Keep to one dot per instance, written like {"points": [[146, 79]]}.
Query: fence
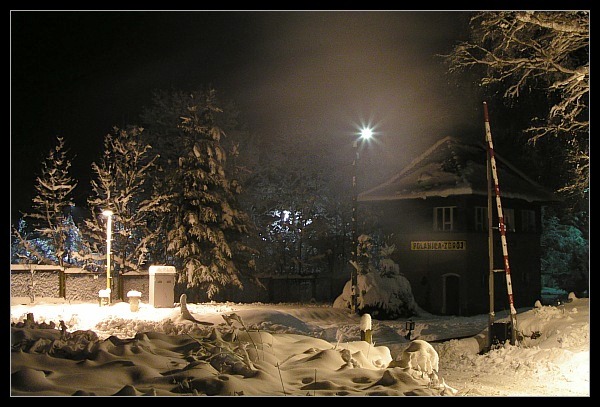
{"points": [[30, 280], [34, 281]]}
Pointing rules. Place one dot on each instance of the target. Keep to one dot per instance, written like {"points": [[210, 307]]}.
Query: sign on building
{"points": [[438, 245]]}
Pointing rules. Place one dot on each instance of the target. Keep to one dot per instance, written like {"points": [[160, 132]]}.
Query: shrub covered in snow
{"points": [[383, 291], [565, 253]]}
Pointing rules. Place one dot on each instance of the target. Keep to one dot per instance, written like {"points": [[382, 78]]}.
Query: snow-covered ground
{"points": [[287, 349]]}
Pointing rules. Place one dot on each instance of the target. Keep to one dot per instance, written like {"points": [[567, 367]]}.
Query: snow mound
{"points": [[420, 356], [382, 297]]}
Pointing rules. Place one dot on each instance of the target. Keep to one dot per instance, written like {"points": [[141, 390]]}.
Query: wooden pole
{"points": [[490, 249]]}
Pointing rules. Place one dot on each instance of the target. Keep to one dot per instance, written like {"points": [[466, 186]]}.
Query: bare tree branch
{"points": [[538, 50]]}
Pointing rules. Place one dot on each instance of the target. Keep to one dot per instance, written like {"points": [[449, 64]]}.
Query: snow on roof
{"points": [[451, 167]]}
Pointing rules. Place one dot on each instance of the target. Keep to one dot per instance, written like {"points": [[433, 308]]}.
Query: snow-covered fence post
{"points": [[366, 333]]}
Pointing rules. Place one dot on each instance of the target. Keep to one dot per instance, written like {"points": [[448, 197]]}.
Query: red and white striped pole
{"points": [[488, 138]]}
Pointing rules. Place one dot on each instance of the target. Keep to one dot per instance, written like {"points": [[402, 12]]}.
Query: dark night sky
{"points": [[77, 74]]}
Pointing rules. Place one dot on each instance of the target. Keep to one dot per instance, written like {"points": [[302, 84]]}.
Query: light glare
{"points": [[366, 133]]}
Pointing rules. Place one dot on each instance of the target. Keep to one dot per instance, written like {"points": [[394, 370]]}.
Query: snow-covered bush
{"points": [[565, 255], [382, 291]]}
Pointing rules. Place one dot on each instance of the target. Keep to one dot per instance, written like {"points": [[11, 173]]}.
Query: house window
{"points": [[527, 220], [443, 218], [481, 219], [509, 219]]}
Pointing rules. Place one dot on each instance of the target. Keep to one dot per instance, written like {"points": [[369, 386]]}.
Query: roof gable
{"points": [[451, 167]]}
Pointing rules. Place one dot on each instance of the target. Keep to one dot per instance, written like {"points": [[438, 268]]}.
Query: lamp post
{"points": [[108, 214], [365, 134]]}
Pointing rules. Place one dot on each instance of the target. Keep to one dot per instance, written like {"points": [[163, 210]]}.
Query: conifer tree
{"points": [[208, 227], [52, 202]]}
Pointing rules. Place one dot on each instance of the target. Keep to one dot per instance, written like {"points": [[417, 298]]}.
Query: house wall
{"points": [[432, 273]]}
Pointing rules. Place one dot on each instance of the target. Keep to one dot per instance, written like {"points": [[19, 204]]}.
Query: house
{"points": [[435, 211]]}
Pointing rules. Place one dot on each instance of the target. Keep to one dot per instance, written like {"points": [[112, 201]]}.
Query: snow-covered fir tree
{"points": [[124, 185], [161, 121], [208, 228], [50, 210]]}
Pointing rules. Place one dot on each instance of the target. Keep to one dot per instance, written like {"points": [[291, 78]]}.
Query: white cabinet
{"points": [[162, 286]]}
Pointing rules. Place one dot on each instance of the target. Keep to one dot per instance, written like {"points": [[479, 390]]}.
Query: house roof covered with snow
{"points": [[451, 167]]}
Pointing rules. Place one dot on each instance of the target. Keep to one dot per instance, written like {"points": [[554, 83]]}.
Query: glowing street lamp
{"points": [[108, 214], [365, 134]]}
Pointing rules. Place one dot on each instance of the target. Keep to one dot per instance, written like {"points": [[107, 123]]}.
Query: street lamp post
{"points": [[108, 214], [365, 134]]}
